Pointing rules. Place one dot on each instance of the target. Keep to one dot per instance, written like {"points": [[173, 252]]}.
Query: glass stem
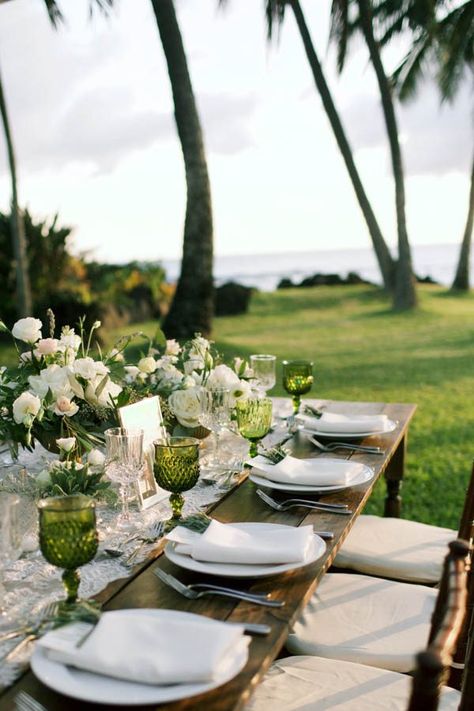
{"points": [[176, 501], [296, 404], [215, 434], [71, 580], [253, 449], [124, 499]]}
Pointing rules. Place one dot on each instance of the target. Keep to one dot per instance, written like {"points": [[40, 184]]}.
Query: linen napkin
{"points": [[149, 649], [332, 423], [227, 543], [309, 472]]}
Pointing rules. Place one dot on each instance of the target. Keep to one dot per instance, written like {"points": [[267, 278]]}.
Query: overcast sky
{"points": [[92, 118]]}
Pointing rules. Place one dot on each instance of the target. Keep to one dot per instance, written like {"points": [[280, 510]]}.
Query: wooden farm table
{"points": [[144, 590]]}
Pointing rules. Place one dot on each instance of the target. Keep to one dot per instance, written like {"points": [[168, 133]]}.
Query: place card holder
{"points": [[146, 415]]}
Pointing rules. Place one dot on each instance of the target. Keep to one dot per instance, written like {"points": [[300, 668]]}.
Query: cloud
{"points": [[437, 139], [227, 122]]}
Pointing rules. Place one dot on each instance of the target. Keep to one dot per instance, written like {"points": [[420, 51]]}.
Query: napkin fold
{"points": [[149, 649], [227, 543], [332, 423], [308, 472]]}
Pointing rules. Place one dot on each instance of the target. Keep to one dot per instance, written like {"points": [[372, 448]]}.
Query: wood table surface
{"points": [[144, 590]]}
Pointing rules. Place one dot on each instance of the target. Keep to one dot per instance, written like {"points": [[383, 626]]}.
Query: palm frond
{"points": [[55, 15], [456, 48], [275, 14], [340, 29], [411, 69], [103, 6]]}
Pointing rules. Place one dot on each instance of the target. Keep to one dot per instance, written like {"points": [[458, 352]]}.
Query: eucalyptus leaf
{"points": [[197, 522]]}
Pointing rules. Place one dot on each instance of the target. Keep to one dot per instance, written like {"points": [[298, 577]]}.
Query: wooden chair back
{"points": [[434, 663]]}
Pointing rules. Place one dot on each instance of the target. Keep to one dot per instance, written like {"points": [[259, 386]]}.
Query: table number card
{"points": [[146, 415]]}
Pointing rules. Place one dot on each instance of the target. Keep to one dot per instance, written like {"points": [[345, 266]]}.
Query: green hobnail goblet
{"points": [[176, 469], [68, 539], [297, 380], [254, 419]]}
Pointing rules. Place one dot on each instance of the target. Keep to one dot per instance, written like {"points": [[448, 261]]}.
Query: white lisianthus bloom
{"points": [[242, 368], [46, 346], [88, 368], [188, 382], [169, 377], [54, 378], [241, 391], [224, 377], [69, 340], [131, 372], [65, 407], [66, 444], [192, 365], [25, 408], [147, 365], [27, 329], [186, 406], [172, 348], [116, 355], [96, 458], [106, 396]]}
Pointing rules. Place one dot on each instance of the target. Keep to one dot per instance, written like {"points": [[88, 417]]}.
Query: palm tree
{"points": [[405, 293], [23, 289], [449, 42], [275, 11], [193, 304]]}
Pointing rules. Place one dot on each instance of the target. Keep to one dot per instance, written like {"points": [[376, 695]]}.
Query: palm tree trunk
{"points": [[384, 258], [461, 280], [405, 294], [193, 304], [17, 227]]}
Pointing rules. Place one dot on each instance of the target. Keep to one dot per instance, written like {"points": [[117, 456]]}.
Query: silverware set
{"points": [[197, 590], [331, 446], [25, 702], [304, 503]]}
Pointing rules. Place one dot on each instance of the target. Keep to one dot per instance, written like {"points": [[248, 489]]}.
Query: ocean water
{"points": [[265, 270]]}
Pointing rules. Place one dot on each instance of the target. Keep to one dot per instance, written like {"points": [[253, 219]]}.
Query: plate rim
{"points": [[39, 659], [276, 569], [351, 435], [302, 488]]}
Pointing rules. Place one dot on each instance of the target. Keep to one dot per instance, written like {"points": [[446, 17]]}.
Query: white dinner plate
{"points": [[233, 570], [100, 689], [390, 426], [364, 475]]}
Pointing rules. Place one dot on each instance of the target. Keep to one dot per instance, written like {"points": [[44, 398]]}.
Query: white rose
{"points": [[188, 382], [116, 355], [54, 378], [25, 408], [147, 365], [131, 372], [172, 348], [88, 368], [193, 364], [65, 407], [186, 406], [95, 458], [46, 346], [67, 444], [105, 397], [222, 377], [27, 329]]}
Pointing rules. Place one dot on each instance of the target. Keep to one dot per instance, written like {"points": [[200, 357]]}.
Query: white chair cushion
{"points": [[367, 620], [315, 684], [396, 548]]}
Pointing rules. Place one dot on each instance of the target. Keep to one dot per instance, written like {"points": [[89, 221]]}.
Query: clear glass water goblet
{"points": [[68, 539], [297, 380], [214, 416], [10, 537], [124, 462], [176, 469], [254, 419], [264, 370]]}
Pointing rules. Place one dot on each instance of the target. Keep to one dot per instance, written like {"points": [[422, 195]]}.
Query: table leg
{"points": [[394, 480]]}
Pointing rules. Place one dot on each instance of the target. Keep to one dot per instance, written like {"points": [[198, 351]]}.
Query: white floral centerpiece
{"points": [[178, 374], [58, 390]]}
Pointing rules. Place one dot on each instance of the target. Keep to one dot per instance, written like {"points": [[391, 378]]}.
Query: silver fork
{"points": [[331, 446], [44, 615], [192, 594], [155, 531], [316, 505], [25, 702]]}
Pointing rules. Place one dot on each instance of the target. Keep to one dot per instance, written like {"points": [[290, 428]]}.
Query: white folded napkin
{"points": [[149, 649], [227, 543], [332, 423], [308, 472]]}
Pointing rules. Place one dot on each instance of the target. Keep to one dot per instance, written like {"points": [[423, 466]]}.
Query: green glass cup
{"points": [[176, 468], [254, 419], [68, 537], [297, 380]]}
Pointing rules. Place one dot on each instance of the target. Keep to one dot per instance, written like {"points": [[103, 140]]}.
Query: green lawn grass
{"points": [[363, 351]]}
